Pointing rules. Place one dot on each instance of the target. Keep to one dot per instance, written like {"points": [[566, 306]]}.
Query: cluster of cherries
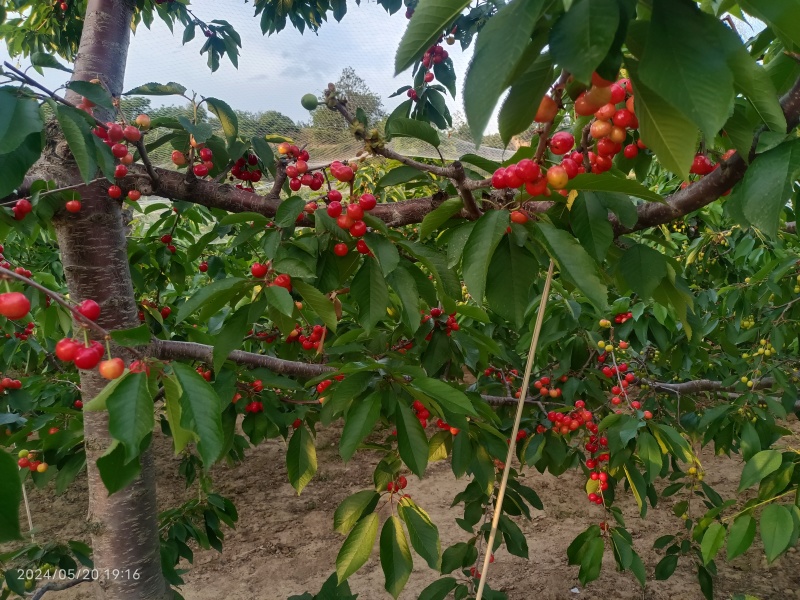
{"points": [[261, 270], [6, 383], [89, 354], [166, 239], [597, 446], [206, 156], [165, 311], [565, 423], [398, 484], [422, 413], [441, 424], [21, 208], [546, 386], [204, 373], [246, 169], [312, 341], [342, 172], [254, 406], [433, 56], [117, 138], [351, 216], [298, 170], [23, 335], [440, 321], [28, 461]]}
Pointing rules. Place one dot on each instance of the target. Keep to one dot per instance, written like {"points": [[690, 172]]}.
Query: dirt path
{"points": [[286, 545]]}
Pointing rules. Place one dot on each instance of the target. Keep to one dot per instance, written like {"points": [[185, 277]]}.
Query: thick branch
{"points": [[57, 587], [705, 385], [168, 350]]}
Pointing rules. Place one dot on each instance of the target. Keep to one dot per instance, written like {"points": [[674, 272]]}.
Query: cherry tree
{"points": [[261, 294]]}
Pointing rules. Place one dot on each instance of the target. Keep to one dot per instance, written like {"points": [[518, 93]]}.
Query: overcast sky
{"points": [[274, 72]]}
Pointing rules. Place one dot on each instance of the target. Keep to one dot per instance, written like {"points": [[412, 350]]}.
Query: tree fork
{"points": [[124, 526]]}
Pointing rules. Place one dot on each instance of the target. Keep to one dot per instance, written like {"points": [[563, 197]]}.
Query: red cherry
{"points": [[358, 229], [334, 208], [203, 267], [499, 179], [200, 170], [14, 305], [66, 349], [120, 171], [362, 248], [89, 309], [178, 158], [78, 404], [295, 184], [630, 151], [86, 358], [547, 110], [166, 312], [528, 170], [258, 270], [367, 201], [115, 192], [340, 249], [283, 281], [206, 154], [132, 134], [561, 143], [355, 212], [112, 369], [119, 150], [114, 132], [334, 196], [623, 118]]}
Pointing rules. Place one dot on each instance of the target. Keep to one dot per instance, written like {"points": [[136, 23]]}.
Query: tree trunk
{"points": [[124, 527]]}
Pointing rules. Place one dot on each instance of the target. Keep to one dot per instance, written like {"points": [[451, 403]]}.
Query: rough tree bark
{"points": [[93, 247]]}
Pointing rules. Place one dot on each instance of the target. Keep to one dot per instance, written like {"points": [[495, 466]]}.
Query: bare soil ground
{"points": [[286, 545]]}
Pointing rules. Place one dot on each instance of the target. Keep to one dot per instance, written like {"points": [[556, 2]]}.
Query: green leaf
{"points": [[201, 413], [280, 298], [301, 459], [782, 17], [589, 220], [423, 533], [429, 19], [42, 59], [582, 37], [19, 118], [754, 82], [638, 487], [768, 185], [713, 539], [649, 452], [758, 467], [740, 535], [411, 441], [157, 89], [385, 251], [136, 336], [776, 527], [220, 288], [130, 413], [264, 152], [352, 508], [232, 334], [576, 264], [17, 163], [227, 118], [500, 46], [395, 556], [592, 561], [94, 92], [172, 393], [606, 182], [405, 287], [357, 547], [439, 589], [684, 64], [286, 215], [450, 398], [360, 421], [318, 302], [621, 205], [398, 175], [666, 567], [10, 498], [116, 472], [201, 132], [669, 134], [480, 247], [370, 292], [76, 132], [411, 128], [523, 99], [643, 269], [439, 216]]}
